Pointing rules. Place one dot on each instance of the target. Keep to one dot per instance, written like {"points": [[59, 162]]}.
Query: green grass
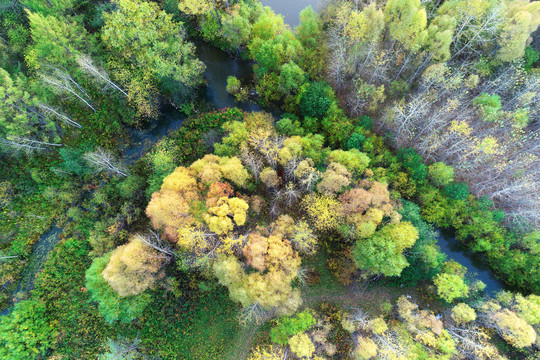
{"points": [[197, 329]]}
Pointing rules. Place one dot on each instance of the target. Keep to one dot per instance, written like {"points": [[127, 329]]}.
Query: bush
{"points": [[233, 85], [26, 333]]}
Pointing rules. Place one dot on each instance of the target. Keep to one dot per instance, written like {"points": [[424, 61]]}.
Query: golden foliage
{"points": [[219, 218], [513, 329], [366, 349], [324, 212], [302, 345], [133, 268]]}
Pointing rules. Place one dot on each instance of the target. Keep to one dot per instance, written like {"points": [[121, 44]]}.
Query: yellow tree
{"points": [[134, 267]]}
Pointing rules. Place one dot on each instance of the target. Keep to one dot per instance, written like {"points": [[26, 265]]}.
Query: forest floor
{"points": [[359, 294]]}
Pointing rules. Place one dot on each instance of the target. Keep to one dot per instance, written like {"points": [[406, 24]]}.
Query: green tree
{"points": [[26, 333], [57, 41], [112, 306], [311, 36], [291, 78], [49, 7], [414, 164], [407, 21], [316, 99], [441, 174], [148, 40], [287, 327], [457, 191], [440, 36], [382, 253], [21, 126], [451, 287], [522, 20]]}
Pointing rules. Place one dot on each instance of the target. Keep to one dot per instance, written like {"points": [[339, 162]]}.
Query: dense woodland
{"points": [[306, 230]]}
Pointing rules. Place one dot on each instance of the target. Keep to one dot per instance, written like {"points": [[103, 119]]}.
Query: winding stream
{"points": [[219, 65]]}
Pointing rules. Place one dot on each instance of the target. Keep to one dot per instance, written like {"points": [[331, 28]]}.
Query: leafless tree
{"points": [[62, 82], [254, 314], [49, 110], [26, 144], [103, 160], [154, 240], [88, 66]]}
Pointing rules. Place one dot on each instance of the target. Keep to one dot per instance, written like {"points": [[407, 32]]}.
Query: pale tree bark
{"points": [[63, 83], [102, 160], [87, 65]]}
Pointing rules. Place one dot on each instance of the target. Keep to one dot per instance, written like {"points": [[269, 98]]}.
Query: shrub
{"points": [[26, 333]]}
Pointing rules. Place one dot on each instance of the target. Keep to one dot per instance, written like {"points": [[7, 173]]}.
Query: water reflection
{"points": [[290, 9], [455, 251]]}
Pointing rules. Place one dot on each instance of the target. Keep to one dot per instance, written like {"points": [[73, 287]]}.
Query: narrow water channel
{"points": [[457, 252], [35, 263], [220, 65]]}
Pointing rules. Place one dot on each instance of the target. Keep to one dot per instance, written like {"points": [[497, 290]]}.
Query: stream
{"points": [[476, 268], [220, 65]]}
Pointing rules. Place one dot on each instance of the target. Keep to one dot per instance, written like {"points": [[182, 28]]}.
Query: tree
{"points": [[324, 212], [148, 40], [103, 160], [311, 36], [521, 22], [267, 353], [220, 217], [87, 65], [194, 7], [57, 41], [354, 160], [21, 126], [407, 21], [134, 268], [302, 346], [123, 349], [26, 333], [366, 349], [315, 100], [382, 253], [441, 174], [334, 179], [291, 78], [51, 7], [513, 329], [112, 306], [451, 287], [289, 326], [463, 313]]}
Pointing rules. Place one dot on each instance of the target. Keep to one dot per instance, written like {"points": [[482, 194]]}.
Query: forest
{"points": [[242, 180]]}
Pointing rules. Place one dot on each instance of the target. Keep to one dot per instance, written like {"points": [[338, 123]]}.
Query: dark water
{"points": [[290, 9], [219, 66], [455, 251], [36, 261]]}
